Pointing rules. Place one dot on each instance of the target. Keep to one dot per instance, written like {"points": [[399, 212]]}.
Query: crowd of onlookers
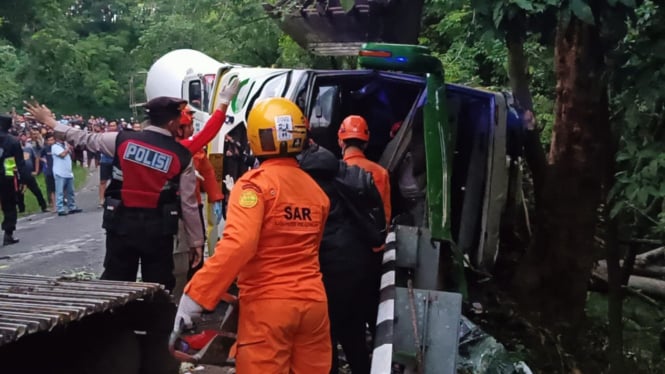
{"points": [[46, 154]]}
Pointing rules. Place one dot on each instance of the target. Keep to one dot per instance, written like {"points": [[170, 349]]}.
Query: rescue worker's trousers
{"points": [[8, 201], [283, 336], [123, 252]]}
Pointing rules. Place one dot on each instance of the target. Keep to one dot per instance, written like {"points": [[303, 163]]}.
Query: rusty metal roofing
{"points": [[29, 304]]}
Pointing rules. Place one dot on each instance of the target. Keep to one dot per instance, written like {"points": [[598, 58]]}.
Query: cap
{"points": [[165, 106]]}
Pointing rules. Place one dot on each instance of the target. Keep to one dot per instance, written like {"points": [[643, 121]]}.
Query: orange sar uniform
{"points": [[356, 157], [209, 183], [274, 225], [195, 145]]}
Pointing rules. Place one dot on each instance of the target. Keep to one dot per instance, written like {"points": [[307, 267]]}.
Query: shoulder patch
{"points": [[248, 199]]}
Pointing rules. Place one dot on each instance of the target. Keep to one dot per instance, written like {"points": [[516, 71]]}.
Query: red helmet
{"points": [[353, 127]]}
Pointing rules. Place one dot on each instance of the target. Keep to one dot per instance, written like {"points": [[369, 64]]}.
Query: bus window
{"points": [[274, 87], [209, 82], [195, 94]]}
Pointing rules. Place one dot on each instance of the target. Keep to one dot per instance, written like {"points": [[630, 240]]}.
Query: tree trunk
{"points": [[649, 271], [515, 234], [553, 277], [650, 257], [518, 71], [647, 286]]}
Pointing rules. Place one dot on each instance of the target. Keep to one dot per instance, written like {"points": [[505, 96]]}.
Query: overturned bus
{"points": [[445, 147]]}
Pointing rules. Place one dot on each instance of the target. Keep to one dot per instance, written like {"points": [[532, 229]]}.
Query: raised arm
{"points": [[214, 124], [96, 142]]}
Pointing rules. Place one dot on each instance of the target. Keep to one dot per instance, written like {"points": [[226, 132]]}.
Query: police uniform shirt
{"points": [[106, 142]]}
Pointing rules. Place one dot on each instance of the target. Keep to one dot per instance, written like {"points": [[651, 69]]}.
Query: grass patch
{"points": [[643, 329], [31, 205]]}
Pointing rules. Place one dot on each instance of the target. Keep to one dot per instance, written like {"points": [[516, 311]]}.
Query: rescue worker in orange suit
{"points": [[270, 242], [153, 184], [352, 137], [199, 140], [207, 182]]}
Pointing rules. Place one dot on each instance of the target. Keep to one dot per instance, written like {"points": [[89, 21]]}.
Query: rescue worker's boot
{"points": [[9, 239]]}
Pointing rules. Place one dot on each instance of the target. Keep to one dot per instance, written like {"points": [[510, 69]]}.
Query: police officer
{"points": [[153, 183], [11, 158]]}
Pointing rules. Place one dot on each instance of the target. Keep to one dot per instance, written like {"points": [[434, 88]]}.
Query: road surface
{"points": [[52, 245]]}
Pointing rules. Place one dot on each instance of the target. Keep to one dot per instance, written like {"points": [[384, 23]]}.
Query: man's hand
{"points": [[217, 211], [198, 175], [41, 113], [195, 256], [188, 311], [228, 182], [228, 92]]}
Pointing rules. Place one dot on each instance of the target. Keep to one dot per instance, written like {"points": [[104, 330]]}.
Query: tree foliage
{"points": [[79, 55], [638, 196]]}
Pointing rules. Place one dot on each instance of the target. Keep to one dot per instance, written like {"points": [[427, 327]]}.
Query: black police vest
{"points": [[146, 169]]}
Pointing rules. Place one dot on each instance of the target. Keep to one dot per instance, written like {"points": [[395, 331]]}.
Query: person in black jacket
{"points": [[11, 156], [344, 256]]}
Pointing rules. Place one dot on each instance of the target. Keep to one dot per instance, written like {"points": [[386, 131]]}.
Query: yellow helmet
{"points": [[276, 127]]}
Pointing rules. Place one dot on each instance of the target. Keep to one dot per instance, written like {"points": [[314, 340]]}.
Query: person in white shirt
{"points": [[64, 177]]}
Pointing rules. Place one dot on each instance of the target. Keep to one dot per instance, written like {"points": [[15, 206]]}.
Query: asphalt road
{"points": [[52, 245]]}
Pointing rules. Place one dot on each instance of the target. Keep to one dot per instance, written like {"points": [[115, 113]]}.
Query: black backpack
{"points": [[356, 187]]}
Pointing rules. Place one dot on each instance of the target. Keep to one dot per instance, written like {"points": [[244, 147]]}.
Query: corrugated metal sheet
{"points": [[29, 304]]}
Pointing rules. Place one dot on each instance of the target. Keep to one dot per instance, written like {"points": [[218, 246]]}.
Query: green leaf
{"points": [[631, 191], [642, 196], [564, 16], [347, 5], [616, 209], [628, 3], [653, 191], [497, 14], [524, 4], [582, 10], [623, 156]]}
